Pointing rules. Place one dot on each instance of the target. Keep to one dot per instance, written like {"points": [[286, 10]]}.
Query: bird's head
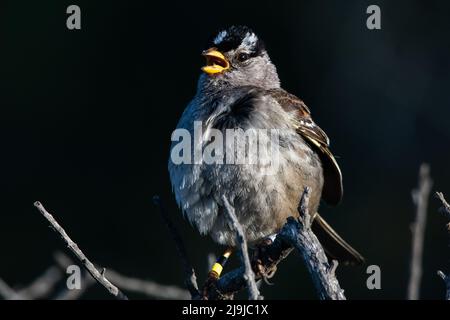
{"points": [[237, 57]]}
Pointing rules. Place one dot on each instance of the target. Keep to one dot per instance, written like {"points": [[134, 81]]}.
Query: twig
{"points": [[63, 261], [445, 210], [446, 279], [234, 280], [298, 233], [420, 198], [191, 279], [74, 294], [249, 276], [43, 285], [145, 287], [8, 293], [149, 288], [112, 289]]}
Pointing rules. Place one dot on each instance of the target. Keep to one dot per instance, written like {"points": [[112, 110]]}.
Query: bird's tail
{"points": [[335, 247]]}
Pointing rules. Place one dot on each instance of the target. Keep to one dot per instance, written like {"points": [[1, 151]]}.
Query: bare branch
{"points": [[298, 233], [73, 247], [420, 198], [269, 258], [148, 288], [63, 261], [249, 276], [74, 294], [191, 279], [445, 210], [145, 287], [43, 285], [8, 293], [446, 279]]}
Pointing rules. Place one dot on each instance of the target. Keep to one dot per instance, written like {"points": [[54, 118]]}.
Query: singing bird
{"points": [[239, 88]]}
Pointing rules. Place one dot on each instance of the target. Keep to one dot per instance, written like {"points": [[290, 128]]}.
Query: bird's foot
{"points": [[210, 285], [264, 269]]}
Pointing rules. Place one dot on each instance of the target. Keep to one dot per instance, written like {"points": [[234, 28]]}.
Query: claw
{"points": [[258, 266]]}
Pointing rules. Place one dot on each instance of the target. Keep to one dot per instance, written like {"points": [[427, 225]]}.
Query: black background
{"points": [[87, 117]]}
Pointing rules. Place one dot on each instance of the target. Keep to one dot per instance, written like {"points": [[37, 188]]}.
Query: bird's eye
{"points": [[243, 56]]}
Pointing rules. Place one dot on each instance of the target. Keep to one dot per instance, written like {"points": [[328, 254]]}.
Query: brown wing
{"points": [[332, 190]]}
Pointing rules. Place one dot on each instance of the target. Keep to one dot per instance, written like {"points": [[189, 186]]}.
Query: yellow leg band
{"points": [[217, 269]]}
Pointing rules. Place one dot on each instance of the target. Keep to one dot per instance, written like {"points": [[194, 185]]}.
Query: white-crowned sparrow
{"points": [[240, 89]]}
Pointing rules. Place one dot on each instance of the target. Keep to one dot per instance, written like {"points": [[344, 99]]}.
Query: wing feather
{"points": [[333, 189]]}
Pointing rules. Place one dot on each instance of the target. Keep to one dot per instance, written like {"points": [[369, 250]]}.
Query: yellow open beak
{"points": [[215, 62]]}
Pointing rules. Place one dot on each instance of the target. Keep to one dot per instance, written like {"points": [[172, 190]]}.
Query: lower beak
{"points": [[215, 62]]}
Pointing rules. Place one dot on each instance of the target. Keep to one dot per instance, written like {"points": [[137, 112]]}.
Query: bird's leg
{"points": [[216, 271]]}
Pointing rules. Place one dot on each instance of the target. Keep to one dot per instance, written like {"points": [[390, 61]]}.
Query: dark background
{"points": [[87, 117]]}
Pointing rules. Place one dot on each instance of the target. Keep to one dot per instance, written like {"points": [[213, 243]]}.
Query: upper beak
{"points": [[215, 62]]}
